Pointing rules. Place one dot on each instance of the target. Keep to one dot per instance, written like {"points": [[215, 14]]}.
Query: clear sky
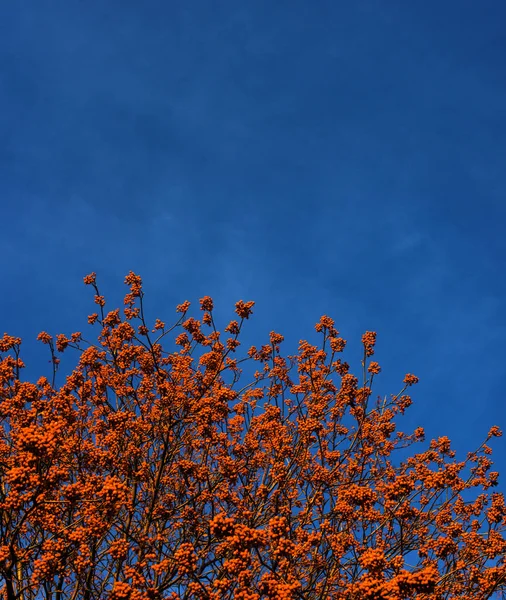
{"points": [[327, 157]]}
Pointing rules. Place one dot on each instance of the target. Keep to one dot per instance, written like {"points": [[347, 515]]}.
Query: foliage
{"points": [[153, 474]]}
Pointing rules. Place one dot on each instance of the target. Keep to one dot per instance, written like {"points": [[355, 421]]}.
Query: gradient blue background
{"points": [[341, 158]]}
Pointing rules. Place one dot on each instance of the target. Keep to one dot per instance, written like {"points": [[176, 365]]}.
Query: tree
{"points": [[154, 474]]}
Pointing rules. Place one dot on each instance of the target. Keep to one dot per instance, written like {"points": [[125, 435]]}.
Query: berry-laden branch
{"points": [[157, 471]]}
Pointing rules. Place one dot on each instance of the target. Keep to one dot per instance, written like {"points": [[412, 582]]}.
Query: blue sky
{"points": [[341, 158]]}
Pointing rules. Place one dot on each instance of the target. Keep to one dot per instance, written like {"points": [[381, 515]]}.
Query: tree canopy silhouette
{"points": [[154, 473]]}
